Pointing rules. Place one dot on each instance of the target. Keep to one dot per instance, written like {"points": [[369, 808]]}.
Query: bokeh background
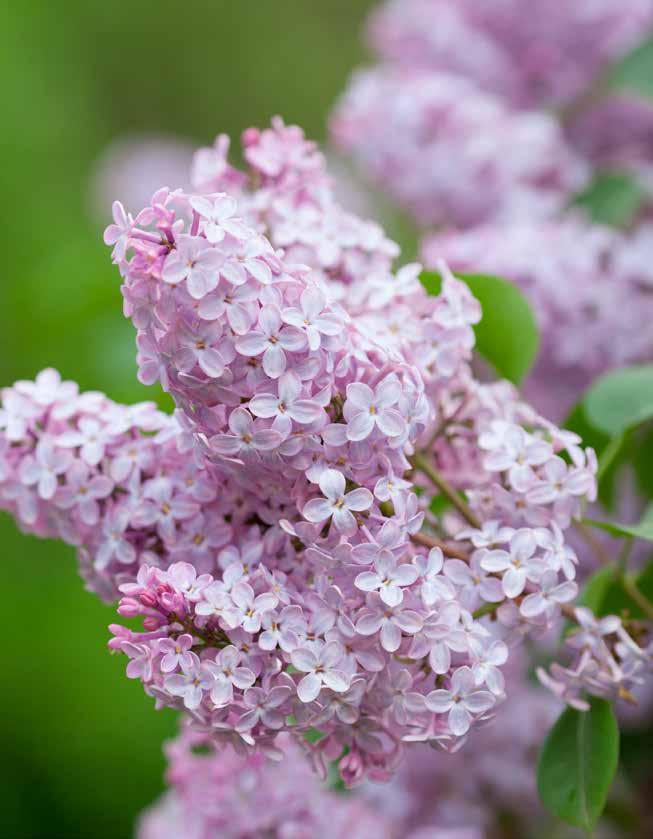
{"points": [[80, 747]]}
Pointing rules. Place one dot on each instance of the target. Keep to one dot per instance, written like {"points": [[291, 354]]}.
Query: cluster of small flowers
{"points": [[269, 534], [590, 286], [610, 660], [114, 481], [230, 796], [491, 779], [434, 795], [287, 194], [617, 133], [438, 143], [545, 57], [431, 123], [328, 616]]}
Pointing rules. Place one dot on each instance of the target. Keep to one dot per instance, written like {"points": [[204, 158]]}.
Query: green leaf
{"points": [[612, 198], [507, 335], [578, 762], [604, 593], [643, 464], [621, 399], [642, 530], [634, 73], [596, 589]]}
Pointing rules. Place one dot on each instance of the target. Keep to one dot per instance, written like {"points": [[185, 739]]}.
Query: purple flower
{"points": [[195, 680], [247, 436], [264, 707], [321, 668], [197, 262], [388, 621], [462, 701], [337, 504], [366, 409], [228, 675], [388, 578], [176, 653], [272, 340]]}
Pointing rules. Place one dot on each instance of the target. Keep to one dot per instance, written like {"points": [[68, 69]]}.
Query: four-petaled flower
{"points": [[337, 504], [228, 674], [463, 700], [272, 340], [388, 578], [366, 409], [196, 261], [192, 683], [322, 670]]}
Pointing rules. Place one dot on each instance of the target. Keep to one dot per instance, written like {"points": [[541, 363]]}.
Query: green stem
{"points": [[485, 609], [423, 465], [637, 597]]}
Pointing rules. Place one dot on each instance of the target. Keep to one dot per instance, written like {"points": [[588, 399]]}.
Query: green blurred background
{"points": [[80, 746]]}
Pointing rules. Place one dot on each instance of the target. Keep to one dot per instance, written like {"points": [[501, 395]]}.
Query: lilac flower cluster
{"points": [[610, 660], [114, 481], [227, 795], [432, 795], [590, 286], [545, 57], [480, 788], [454, 136], [392, 116], [276, 536]]}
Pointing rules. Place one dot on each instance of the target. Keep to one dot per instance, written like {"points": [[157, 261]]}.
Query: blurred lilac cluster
{"points": [[227, 795], [458, 123], [544, 56]]}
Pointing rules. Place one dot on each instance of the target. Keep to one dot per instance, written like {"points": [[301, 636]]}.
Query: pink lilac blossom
{"points": [[609, 661], [224, 794], [590, 287], [277, 524], [451, 153], [546, 57], [616, 133], [112, 480], [482, 787]]}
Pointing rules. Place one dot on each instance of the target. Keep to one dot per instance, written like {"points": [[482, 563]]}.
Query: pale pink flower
{"points": [[388, 621], [249, 608], [176, 652], [247, 436], [192, 683], [337, 504], [321, 668], [219, 217], [388, 578], [462, 701], [287, 405], [549, 595], [228, 674], [82, 490], [118, 233], [272, 340], [312, 318], [196, 261], [366, 409], [91, 437], [44, 467]]}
